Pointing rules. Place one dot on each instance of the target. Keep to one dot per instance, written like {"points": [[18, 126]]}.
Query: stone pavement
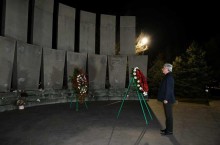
{"points": [[194, 124], [57, 124]]}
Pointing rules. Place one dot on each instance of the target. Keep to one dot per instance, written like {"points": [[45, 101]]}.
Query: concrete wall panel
{"points": [[127, 35], [138, 61], [97, 71], [53, 68], [43, 23], [28, 66], [16, 19], [66, 28], [7, 51], [107, 34], [75, 60], [117, 71], [87, 32]]}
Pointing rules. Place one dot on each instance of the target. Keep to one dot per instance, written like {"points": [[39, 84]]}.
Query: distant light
{"points": [[141, 43], [144, 41]]}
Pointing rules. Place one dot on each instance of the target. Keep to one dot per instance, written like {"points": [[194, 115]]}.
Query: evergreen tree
{"points": [[191, 72], [155, 75], [212, 48]]}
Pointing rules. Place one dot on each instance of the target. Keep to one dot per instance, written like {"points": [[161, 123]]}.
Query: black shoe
{"points": [[167, 133], [163, 130]]}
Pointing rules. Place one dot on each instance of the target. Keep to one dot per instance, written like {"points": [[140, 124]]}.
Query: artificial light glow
{"points": [[144, 41], [141, 44]]}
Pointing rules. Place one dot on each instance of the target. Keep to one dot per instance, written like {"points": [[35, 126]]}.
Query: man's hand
{"points": [[165, 101]]}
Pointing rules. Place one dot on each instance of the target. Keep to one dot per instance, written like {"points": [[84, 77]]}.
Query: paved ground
{"points": [[57, 124]]}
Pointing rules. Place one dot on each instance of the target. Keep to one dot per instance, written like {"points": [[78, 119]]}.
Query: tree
{"points": [[191, 72], [155, 75], [212, 48]]}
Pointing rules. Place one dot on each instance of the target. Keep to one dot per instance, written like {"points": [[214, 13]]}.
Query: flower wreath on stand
{"points": [[140, 81], [79, 84]]}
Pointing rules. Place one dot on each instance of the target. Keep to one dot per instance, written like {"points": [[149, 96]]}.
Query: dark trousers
{"points": [[168, 110]]}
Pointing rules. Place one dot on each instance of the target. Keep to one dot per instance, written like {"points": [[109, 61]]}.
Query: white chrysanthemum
{"points": [[145, 93], [140, 88], [135, 77], [138, 85], [134, 73]]}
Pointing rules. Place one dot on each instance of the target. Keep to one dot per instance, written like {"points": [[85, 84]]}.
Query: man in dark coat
{"points": [[166, 95]]}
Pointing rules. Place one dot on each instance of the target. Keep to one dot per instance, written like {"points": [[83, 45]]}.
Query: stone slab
{"points": [[127, 35], [16, 19], [107, 34], [53, 68], [138, 61], [97, 71], [46, 5], [43, 23], [7, 52], [66, 28], [87, 32], [75, 60], [117, 71], [28, 66]]}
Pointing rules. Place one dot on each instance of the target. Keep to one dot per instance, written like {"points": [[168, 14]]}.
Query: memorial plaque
{"points": [[7, 52], [28, 66]]}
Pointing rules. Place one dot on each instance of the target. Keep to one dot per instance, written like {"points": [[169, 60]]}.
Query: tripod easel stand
{"points": [[140, 98]]}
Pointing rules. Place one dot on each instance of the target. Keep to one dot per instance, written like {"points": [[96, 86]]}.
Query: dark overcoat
{"points": [[166, 89]]}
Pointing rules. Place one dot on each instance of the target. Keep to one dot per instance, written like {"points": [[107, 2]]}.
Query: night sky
{"points": [[172, 26]]}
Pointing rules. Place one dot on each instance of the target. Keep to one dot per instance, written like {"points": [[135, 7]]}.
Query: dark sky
{"points": [[172, 25]]}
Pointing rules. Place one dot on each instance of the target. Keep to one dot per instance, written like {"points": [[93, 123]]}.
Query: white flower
{"points": [[139, 86], [145, 93]]}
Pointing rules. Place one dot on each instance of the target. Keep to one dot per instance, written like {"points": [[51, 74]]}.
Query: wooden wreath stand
{"points": [[140, 98], [77, 101]]}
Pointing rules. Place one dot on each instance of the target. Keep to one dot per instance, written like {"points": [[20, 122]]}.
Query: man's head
{"points": [[167, 67]]}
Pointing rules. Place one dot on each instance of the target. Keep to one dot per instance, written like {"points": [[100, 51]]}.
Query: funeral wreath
{"points": [[79, 84], [140, 81]]}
